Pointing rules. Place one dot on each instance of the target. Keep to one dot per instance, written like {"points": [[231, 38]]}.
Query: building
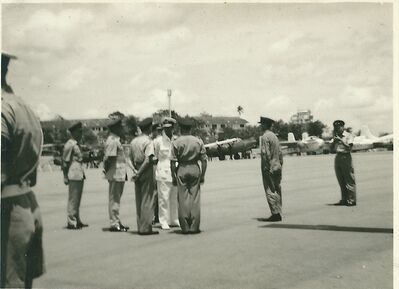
{"points": [[96, 125], [302, 117], [218, 123]]}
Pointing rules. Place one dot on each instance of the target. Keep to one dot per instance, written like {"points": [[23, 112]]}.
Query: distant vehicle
{"points": [[231, 147], [385, 141], [310, 145]]}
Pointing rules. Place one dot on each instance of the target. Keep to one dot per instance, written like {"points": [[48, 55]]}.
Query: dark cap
{"points": [[75, 126], [186, 122], [338, 123], [145, 123], [168, 122], [265, 120], [7, 55], [114, 123]]}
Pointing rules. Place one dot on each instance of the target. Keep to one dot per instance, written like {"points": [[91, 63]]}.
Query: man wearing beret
{"points": [[167, 192], [21, 224], [141, 155], [74, 176], [187, 151], [271, 165], [342, 144], [115, 173]]}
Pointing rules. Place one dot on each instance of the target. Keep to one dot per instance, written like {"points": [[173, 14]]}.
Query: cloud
{"points": [[357, 97], [286, 43], [280, 107], [73, 80], [43, 112]]}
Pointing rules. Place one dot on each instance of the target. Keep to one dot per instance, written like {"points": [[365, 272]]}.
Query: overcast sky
{"points": [[87, 60]]}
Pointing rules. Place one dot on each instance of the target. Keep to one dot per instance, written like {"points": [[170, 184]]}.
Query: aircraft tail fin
{"points": [[305, 135], [365, 131], [291, 137]]}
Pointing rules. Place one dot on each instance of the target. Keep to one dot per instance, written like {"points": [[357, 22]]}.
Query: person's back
{"points": [[187, 148]]}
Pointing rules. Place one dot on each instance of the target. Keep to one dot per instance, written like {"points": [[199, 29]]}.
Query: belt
{"points": [[343, 153], [188, 162], [15, 190]]}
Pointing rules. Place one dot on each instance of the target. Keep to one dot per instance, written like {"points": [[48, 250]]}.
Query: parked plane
{"points": [[230, 147], [309, 145], [366, 137]]}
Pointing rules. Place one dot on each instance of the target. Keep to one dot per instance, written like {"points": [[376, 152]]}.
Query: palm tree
{"points": [[240, 110]]}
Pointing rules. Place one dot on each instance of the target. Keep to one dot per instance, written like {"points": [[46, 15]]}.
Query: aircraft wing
{"points": [[289, 144], [223, 142]]}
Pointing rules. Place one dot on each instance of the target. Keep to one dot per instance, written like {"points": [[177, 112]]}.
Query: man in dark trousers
{"points": [[271, 165], [187, 151], [74, 176], [21, 224], [141, 155], [342, 144]]}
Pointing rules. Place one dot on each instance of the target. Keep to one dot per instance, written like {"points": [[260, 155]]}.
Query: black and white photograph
{"points": [[185, 145]]}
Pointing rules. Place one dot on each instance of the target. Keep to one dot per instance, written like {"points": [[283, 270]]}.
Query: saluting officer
{"points": [[167, 192], [271, 165], [342, 144], [187, 151], [115, 173], [21, 224], [141, 155], [74, 176]]}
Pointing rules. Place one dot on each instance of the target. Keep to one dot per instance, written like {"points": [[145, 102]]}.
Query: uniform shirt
{"points": [[117, 168], [141, 147], [162, 149], [272, 158], [347, 138], [73, 155], [188, 148], [22, 140]]}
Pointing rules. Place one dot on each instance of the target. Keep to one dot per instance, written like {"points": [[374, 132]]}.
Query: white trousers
{"points": [[167, 204]]}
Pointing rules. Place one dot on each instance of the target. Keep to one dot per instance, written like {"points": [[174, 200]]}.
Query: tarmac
{"points": [[315, 246]]}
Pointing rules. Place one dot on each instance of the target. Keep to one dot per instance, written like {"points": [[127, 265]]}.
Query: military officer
{"points": [[167, 192], [187, 151], [342, 144], [156, 133], [141, 155], [115, 173], [74, 176], [271, 165], [21, 224]]}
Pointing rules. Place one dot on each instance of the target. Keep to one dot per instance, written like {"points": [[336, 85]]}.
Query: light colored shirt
{"points": [[347, 138], [117, 168], [188, 148], [271, 155], [22, 138], [141, 147], [73, 156], [162, 149]]}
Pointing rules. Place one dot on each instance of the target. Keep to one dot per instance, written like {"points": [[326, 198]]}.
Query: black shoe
{"points": [[340, 203], [350, 204], [124, 228], [116, 229], [82, 225], [194, 232], [274, 218], [72, 227], [148, 233]]}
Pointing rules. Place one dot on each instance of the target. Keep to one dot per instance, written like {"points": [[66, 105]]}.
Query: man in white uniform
{"points": [[167, 193]]}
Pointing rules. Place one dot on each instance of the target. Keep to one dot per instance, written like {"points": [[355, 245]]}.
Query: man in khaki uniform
{"points": [[271, 165], [141, 155], [21, 224], [115, 173], [187, 151], [74, 176], [342, 144]]}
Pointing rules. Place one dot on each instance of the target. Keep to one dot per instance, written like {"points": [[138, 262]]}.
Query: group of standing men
{"points": [[21, 144], [167, 170]]}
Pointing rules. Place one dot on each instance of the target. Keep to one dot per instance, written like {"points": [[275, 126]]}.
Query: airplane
{"points": [[369, 141], [231, 147], [310, 145]]}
